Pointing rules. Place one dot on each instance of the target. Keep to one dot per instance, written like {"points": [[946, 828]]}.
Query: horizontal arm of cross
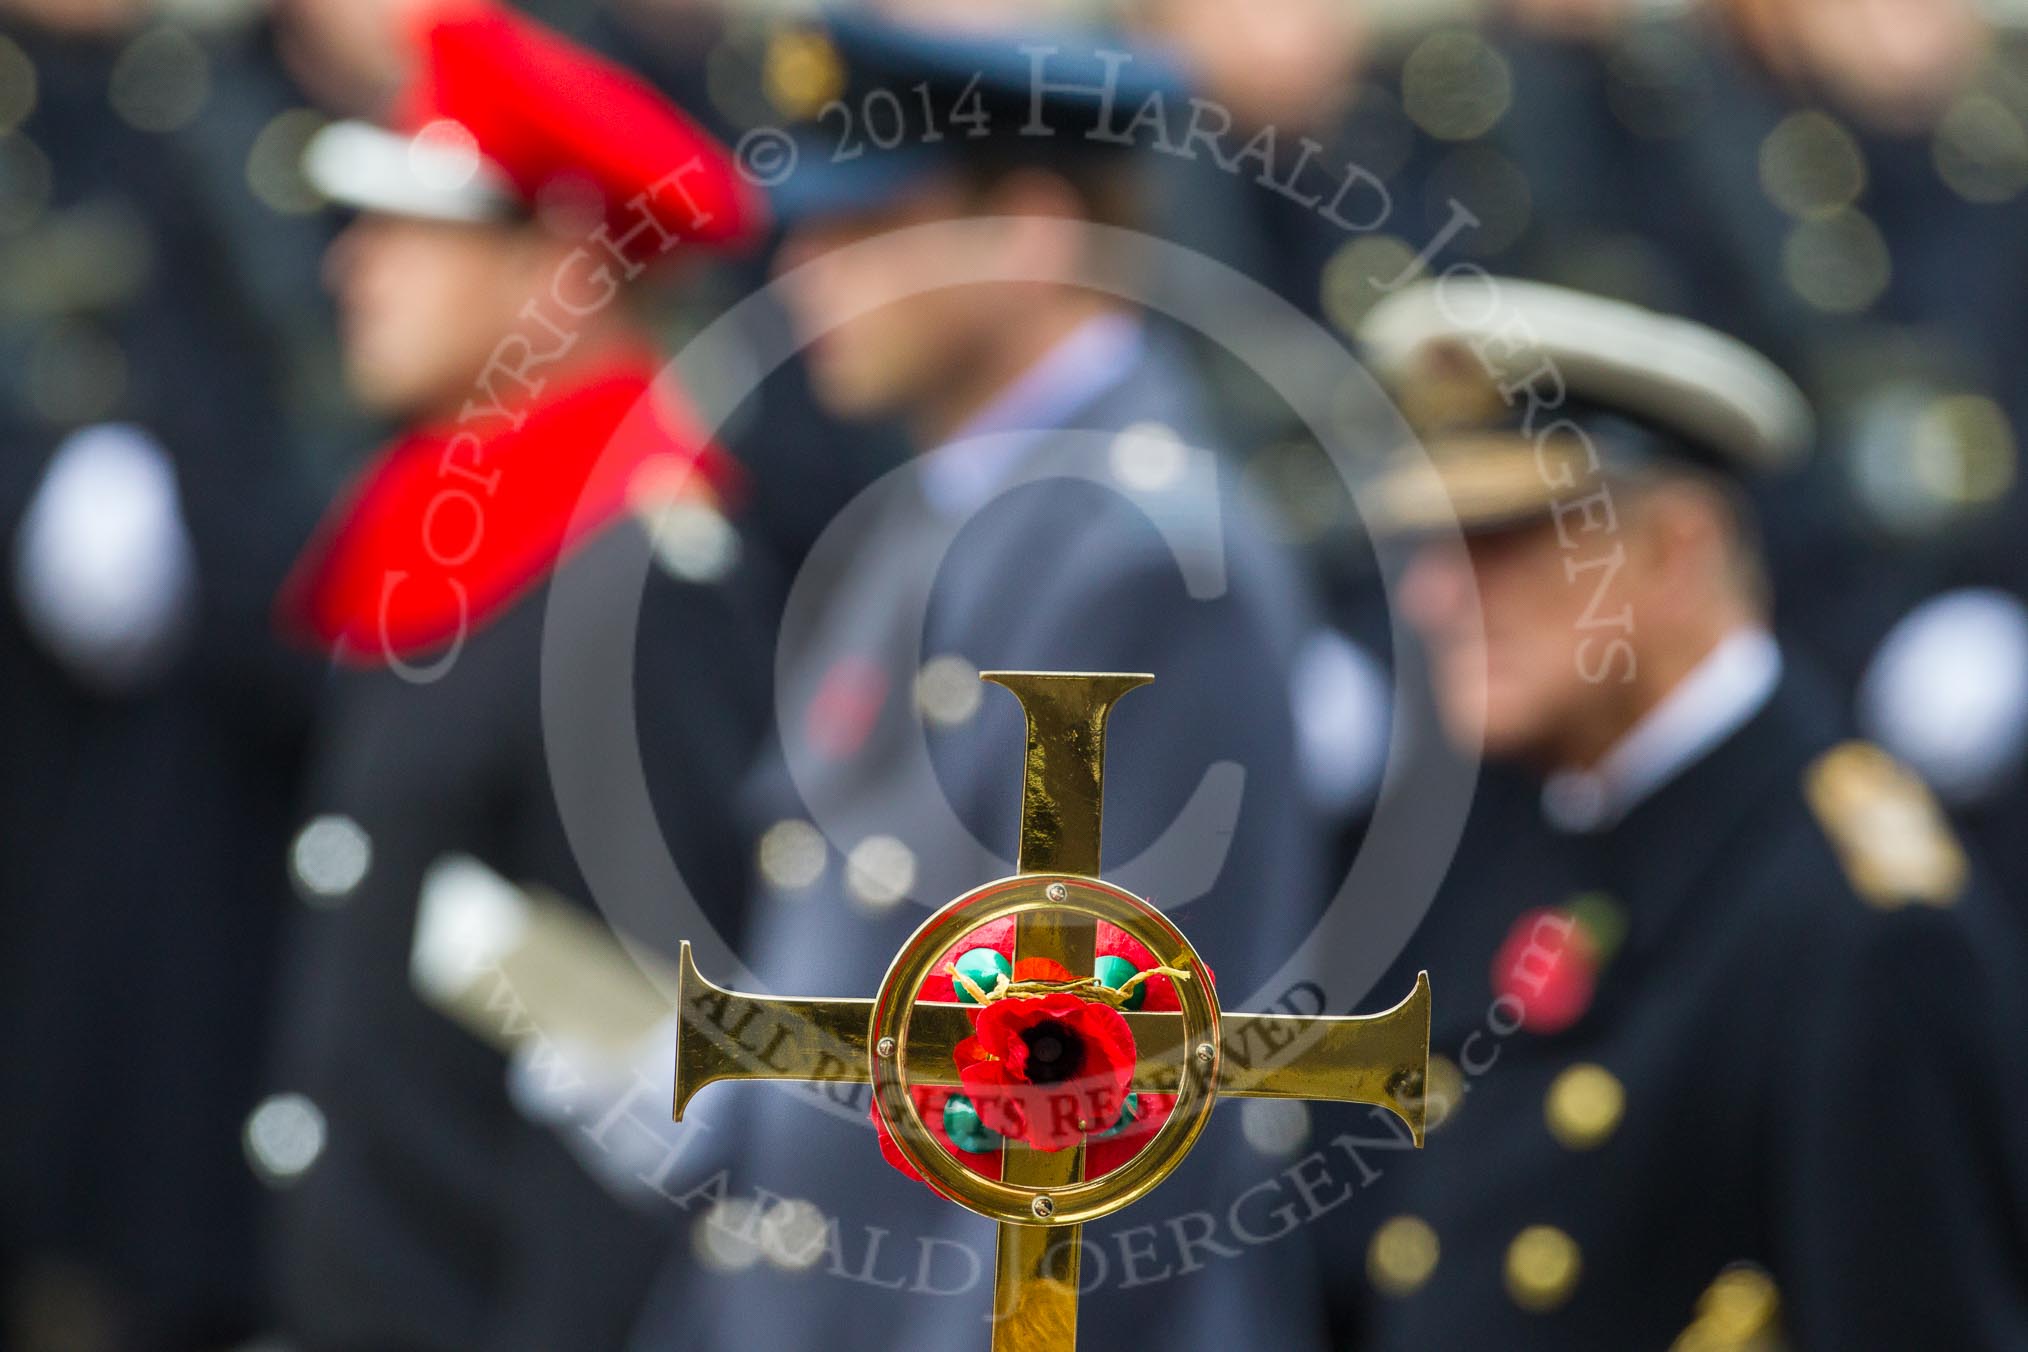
{"points": [[1377, 1058]]}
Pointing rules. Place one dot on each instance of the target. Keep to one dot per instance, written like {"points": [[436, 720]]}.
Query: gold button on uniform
{"points": [[1584, 1106], [328, 860], [1443, 1092], [691, 538], [1402, 1256], [283, 1137], [879, 872], [1542, 1268], [948, 690], [792, 854], [1740, 1312], [726, 1237], [792, 1234]]}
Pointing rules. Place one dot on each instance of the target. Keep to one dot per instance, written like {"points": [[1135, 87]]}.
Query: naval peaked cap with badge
{"points": [[1523, 393]]}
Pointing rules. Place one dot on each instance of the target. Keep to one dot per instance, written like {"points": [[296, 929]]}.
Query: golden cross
{"points": [[1057, 900]]}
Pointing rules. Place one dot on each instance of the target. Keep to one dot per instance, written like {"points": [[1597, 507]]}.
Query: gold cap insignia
{"points": [[802, 72], [1477, 481], [1447, 389]]}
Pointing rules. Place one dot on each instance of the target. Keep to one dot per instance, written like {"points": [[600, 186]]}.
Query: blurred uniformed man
{"points": [[150, 502], [1732, 1047], [482, 302], [1060, 515]]}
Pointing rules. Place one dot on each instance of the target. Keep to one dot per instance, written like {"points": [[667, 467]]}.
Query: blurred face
{"points": [[422, 304], [1567, 641], [871, 354], [1896, 62], [1284, 63], [1509, 653], [351, 56]]}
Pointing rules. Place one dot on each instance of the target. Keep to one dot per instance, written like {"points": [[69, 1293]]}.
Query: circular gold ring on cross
{"points": [[1197, 1051]]}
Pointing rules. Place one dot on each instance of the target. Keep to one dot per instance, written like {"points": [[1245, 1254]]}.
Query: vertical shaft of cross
{"points": [[1063, 775], [1062, 809]]}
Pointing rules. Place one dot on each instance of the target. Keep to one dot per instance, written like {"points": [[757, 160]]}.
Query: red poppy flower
{"points": [[1106, 1148], [1549, 966], [1049, 1070]]}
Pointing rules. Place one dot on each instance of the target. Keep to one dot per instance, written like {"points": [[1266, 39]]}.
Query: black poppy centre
{"points": [[1055, 1052]]}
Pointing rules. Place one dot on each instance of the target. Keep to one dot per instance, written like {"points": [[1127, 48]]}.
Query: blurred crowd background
{"points": [[1842, 183]]}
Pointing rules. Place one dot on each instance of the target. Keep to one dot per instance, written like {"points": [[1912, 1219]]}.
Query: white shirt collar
{"points": [[963, 472], [1717, 698]]}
